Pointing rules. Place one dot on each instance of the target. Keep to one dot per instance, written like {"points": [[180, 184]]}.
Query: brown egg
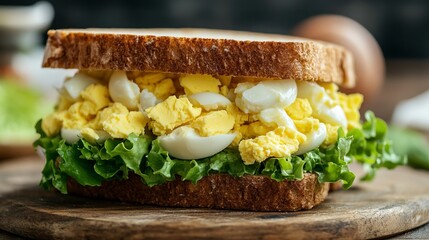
{"points": [[369, 60]]}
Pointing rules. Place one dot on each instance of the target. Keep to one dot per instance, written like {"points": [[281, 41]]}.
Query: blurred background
{"points": [[390, 39]]}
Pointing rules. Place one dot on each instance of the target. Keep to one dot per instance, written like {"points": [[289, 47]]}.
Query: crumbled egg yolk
{"points": [[157, 83], [119, 122], [52, 123], [331, 89], [283, 141], [254, 129], [94, 111], [299, 109], [214, 122], [331, 134], [351, 104], [93, 98], [96, 97], [240, 118], [225, 81], [64, 103], [307, 125], [197, 83], [73, 118], [164, 89], [171, 113], [89, 134], [148, 81]]}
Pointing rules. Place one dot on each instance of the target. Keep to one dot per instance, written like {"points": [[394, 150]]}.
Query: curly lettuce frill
{"points": [[91, 164]]}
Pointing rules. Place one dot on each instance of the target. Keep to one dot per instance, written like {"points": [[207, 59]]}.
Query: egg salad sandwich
{"points": [[205, 118]]}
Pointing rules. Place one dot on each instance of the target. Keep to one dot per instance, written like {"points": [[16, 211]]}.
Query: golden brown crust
{"points": [[269, 56], [220, 191]]}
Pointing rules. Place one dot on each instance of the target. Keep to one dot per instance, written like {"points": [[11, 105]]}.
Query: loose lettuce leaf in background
{"points": [[20, 108], [412, 144]]}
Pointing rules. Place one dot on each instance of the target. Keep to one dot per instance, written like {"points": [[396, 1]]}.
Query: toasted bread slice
{"points": [[220, 191], [191, 51]]}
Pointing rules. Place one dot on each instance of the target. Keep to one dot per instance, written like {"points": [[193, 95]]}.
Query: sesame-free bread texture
{"points": [[202, 51], [219, 191]]}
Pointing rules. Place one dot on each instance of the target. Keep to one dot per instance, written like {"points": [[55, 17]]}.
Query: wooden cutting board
{"points": [[395, 202]]}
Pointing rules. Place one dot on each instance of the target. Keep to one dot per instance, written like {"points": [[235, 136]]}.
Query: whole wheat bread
{"points": [[220, 191], [214, 52]]}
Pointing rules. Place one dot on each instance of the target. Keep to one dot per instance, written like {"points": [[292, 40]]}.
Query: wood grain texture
{"points": [[214, 52], [395, 202]]}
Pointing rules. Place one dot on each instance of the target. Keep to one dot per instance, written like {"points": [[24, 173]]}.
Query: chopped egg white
{"points": [[93, 136], [314, 139], [102, 136], [70, 135], [147, 100], [123, 90], [267, 94], [73, 135], [334, 115], [209, 100], [276, 117], [79, 82], [185, 143], [324, 108]]}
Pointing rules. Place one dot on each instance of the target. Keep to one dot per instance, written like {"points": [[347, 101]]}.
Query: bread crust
{"points": [[276, 56], [220, 191]]}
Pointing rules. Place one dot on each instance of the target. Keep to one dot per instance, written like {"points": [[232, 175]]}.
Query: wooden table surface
{"points": [[391, 204]]}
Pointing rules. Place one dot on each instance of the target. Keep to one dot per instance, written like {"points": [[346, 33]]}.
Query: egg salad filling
{"points": [[162, 126]]}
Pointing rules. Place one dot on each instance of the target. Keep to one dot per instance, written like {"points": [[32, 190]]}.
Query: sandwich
{"points": [[205, 118]]}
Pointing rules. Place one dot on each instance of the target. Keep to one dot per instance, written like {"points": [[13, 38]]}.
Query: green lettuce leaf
{"points": [[412, 144], [52, 176], [87, 163], [371, 148], [20, 108], [82, 170], [91, 163]]}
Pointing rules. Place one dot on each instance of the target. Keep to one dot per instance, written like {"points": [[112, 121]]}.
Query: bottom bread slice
{"points": [[219, 191]]}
